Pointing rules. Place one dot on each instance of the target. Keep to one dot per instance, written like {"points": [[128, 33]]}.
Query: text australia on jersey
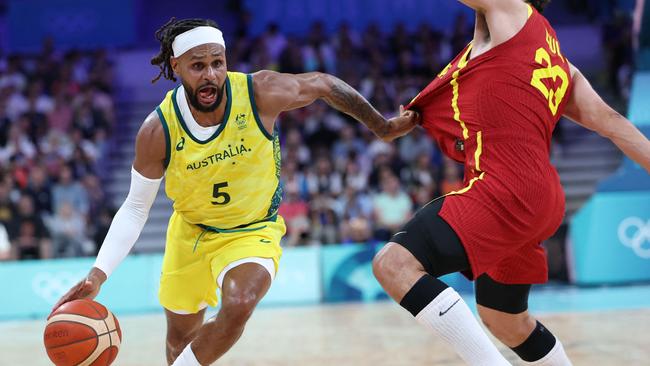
{"points": [[224, 155]]}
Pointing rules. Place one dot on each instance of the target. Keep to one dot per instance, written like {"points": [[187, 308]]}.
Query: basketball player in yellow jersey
{"points": [[214, 139]]}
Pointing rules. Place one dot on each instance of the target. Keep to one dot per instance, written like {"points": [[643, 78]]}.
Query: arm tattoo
{"points": [[347, 100]]}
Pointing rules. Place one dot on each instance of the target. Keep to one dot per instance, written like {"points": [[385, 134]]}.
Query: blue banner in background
{"points": [[71, 23], [31, 288], [347, 274], [610, 239], [298, 279], [639, 112], [296, 16], [35, 286]]}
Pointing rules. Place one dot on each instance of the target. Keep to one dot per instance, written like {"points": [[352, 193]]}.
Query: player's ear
{"points": [[173, 61]]}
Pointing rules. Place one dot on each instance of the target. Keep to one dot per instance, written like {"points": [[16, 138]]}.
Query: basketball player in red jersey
{"points": [[494, 108]]}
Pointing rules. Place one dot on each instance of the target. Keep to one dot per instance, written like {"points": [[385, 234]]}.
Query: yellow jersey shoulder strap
{"points": [[165, 111], [244, 97]]}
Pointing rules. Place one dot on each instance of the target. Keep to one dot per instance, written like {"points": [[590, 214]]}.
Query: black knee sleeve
{"points": [[511, 299], [422, 293], [538, 344]]}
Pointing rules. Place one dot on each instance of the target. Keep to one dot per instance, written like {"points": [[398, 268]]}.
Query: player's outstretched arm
{"points": [[588, 109], [147, 172], [277, 92]]}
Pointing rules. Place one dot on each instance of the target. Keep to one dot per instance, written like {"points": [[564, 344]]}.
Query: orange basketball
{"points": [[82, 332]]}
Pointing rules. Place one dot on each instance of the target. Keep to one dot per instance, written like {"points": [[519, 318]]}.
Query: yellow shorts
{"points": [[195, 257]]}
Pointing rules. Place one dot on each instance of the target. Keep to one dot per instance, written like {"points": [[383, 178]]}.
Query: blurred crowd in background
{"points": [[56, 118], [341, 185]]}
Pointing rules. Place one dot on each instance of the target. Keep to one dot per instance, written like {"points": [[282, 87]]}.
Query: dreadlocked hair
{"points": [[165, 35], [538, 4]]}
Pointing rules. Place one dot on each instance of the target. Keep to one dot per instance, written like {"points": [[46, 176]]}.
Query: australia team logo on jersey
{"points": [[240, 121], [181, 144]]}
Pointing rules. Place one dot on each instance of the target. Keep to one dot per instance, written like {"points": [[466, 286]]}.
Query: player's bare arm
{"points": [[150, 148], [277, 92], [149, 162], [588, 109], [497, 20]]}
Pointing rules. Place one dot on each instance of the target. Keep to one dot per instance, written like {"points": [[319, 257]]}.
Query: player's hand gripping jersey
{"points": [[495, 113]]}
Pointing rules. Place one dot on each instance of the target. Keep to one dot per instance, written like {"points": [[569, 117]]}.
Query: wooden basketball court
{"points": [[350, 334]]}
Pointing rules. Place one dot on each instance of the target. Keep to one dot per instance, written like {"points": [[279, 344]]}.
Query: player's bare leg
{"points": [[435, 305], [397, 270], [181, 329], [532, 342], [243, 288], [511, 329]]}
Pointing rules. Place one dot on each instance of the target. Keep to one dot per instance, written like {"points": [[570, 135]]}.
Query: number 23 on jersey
{"points": [[552, 72]]}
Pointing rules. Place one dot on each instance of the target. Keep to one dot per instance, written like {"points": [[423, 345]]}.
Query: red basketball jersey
{"points": [[495, 113]]}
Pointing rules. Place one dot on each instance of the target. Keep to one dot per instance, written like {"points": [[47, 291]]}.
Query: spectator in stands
{"points": [[101, 224], [19, 145], [291, 60], [68, 229], [5, 244], [323, 178], [60, 117], [295, 212], [294, 146], [353, 176], [392, 207], [5, 122], [425, 194], [29, 237], [71, 191], [355, 210], [40, 190], [617, 39], [7, 208], [324, 222], [451, 180], [317, 53], [95, 193], [419, 174], [293, 179], [13, 75], [274, 42], [347, 143], [414, 145]]}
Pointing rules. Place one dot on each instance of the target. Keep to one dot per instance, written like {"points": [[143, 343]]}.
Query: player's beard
{"points": [[192, 95]]}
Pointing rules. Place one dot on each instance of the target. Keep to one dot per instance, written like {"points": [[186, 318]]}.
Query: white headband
{"points": [[196, 37]]}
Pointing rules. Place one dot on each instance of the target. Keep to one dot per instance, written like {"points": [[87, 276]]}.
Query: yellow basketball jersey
{"points": [[232, 179]]}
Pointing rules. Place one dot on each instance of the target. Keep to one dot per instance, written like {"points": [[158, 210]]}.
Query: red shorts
{"points": [[502, 233]]}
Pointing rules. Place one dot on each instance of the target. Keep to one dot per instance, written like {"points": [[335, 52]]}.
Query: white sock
{"points": [[556, 357], [186, 358], [449, 317]]}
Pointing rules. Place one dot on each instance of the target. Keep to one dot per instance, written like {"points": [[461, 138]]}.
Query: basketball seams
{"points": [[108, 313], [88, 304], [98, 311], [82, 340], [81, 319]]}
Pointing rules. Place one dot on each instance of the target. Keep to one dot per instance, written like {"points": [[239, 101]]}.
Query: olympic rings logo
{"points": [[634, 233], [51, 286]]}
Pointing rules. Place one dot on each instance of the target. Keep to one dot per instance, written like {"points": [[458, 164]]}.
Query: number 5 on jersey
{"points": [[220, 197]]}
